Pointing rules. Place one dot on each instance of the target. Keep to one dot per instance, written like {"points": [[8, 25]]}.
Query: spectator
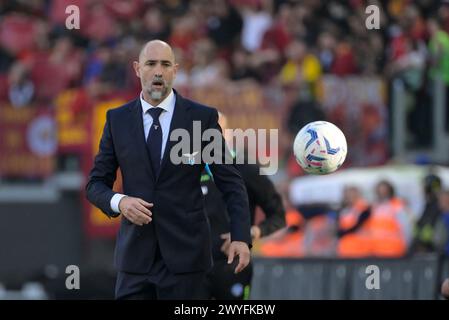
{"points": [[304, 110], [21, 88], [410, 69], [207, 68], [424, 232], [443, 14], [278, 36], [154, 25], [184, 32], [441, 236], [390, 224], [301, 66], [224, 24], [353, 234], [326, 50], [241, 67], [256, 20], [439, 58], [6, 59], [344, 62], [96, 63]]}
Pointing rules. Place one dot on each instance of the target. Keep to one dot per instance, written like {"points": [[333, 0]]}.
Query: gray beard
{"points": [[156, 95]]}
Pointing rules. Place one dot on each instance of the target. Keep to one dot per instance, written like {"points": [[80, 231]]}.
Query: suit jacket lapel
{"points": [[180, 119], [138, 135]]}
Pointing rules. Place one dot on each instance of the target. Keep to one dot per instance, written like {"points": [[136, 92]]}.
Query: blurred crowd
{"points": [[278, 42], [385, 227], [285, 46]]}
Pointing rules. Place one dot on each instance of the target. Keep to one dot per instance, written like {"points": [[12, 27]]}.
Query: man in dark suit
{"points": [[221, 281], [163, 248]]}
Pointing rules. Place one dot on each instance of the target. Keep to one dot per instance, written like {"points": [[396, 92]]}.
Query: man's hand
{"points": [[135, 210], [240, 249], [255, 234]]}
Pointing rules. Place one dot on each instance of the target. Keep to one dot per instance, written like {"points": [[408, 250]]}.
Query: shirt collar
{"points": [[168, 104]]}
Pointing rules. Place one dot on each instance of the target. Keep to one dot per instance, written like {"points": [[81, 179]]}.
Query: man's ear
{"points": [[136, 67]]}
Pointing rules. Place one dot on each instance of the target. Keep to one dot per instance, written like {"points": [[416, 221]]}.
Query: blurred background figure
{"points": [[441, 236], [21, 88], [424, 231], [390, 223], [439, 58], [354, 241], [222, 282]]}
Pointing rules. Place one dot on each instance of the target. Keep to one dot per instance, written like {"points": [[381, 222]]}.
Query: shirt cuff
{"points": [[115, 200]]}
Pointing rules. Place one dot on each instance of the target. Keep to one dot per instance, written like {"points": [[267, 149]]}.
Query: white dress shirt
{"points": [[168, 104]]}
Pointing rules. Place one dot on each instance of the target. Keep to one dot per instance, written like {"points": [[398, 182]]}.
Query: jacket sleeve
{"points": [[229, 181], [103, 174], [263, 192]]}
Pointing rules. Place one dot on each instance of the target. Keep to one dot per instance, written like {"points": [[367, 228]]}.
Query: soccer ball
{"points": [[320, 147]]}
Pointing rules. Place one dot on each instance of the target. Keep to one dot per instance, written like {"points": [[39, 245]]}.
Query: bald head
{"points": [[156, 70], [156, 45]]}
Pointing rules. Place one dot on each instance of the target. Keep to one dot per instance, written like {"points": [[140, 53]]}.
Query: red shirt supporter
{"points": [[277, 37], [17, 33], [398, 47], [124, 9], [63, 64], [344, 62], [100, 25]]}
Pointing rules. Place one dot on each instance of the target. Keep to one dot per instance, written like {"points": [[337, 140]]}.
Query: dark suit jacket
{"points": [[179, 224]]}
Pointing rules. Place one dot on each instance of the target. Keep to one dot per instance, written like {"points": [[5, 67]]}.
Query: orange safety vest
{"points": [[290, 245], [380, 236], [356, 244], [348, 217], [387, 236]]}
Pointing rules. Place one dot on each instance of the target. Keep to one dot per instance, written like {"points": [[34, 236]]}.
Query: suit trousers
{"points": [[160, 284]]}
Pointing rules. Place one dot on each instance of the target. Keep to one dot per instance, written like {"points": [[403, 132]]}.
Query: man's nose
{"points": [[158, 70]]}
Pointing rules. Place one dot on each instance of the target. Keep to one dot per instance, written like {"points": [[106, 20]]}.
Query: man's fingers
{"points": [[140, 214], [143, 218], [239, 267], [144, 203], [143, 209], [241, 250], [137, 211], [138, 217], [133, 219], [243, 262]]}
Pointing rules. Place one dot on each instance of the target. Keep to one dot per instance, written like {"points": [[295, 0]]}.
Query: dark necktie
{"points": [[154, 140]]}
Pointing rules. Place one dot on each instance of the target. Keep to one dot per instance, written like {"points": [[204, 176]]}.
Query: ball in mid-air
{"points": [[320, 147]]}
